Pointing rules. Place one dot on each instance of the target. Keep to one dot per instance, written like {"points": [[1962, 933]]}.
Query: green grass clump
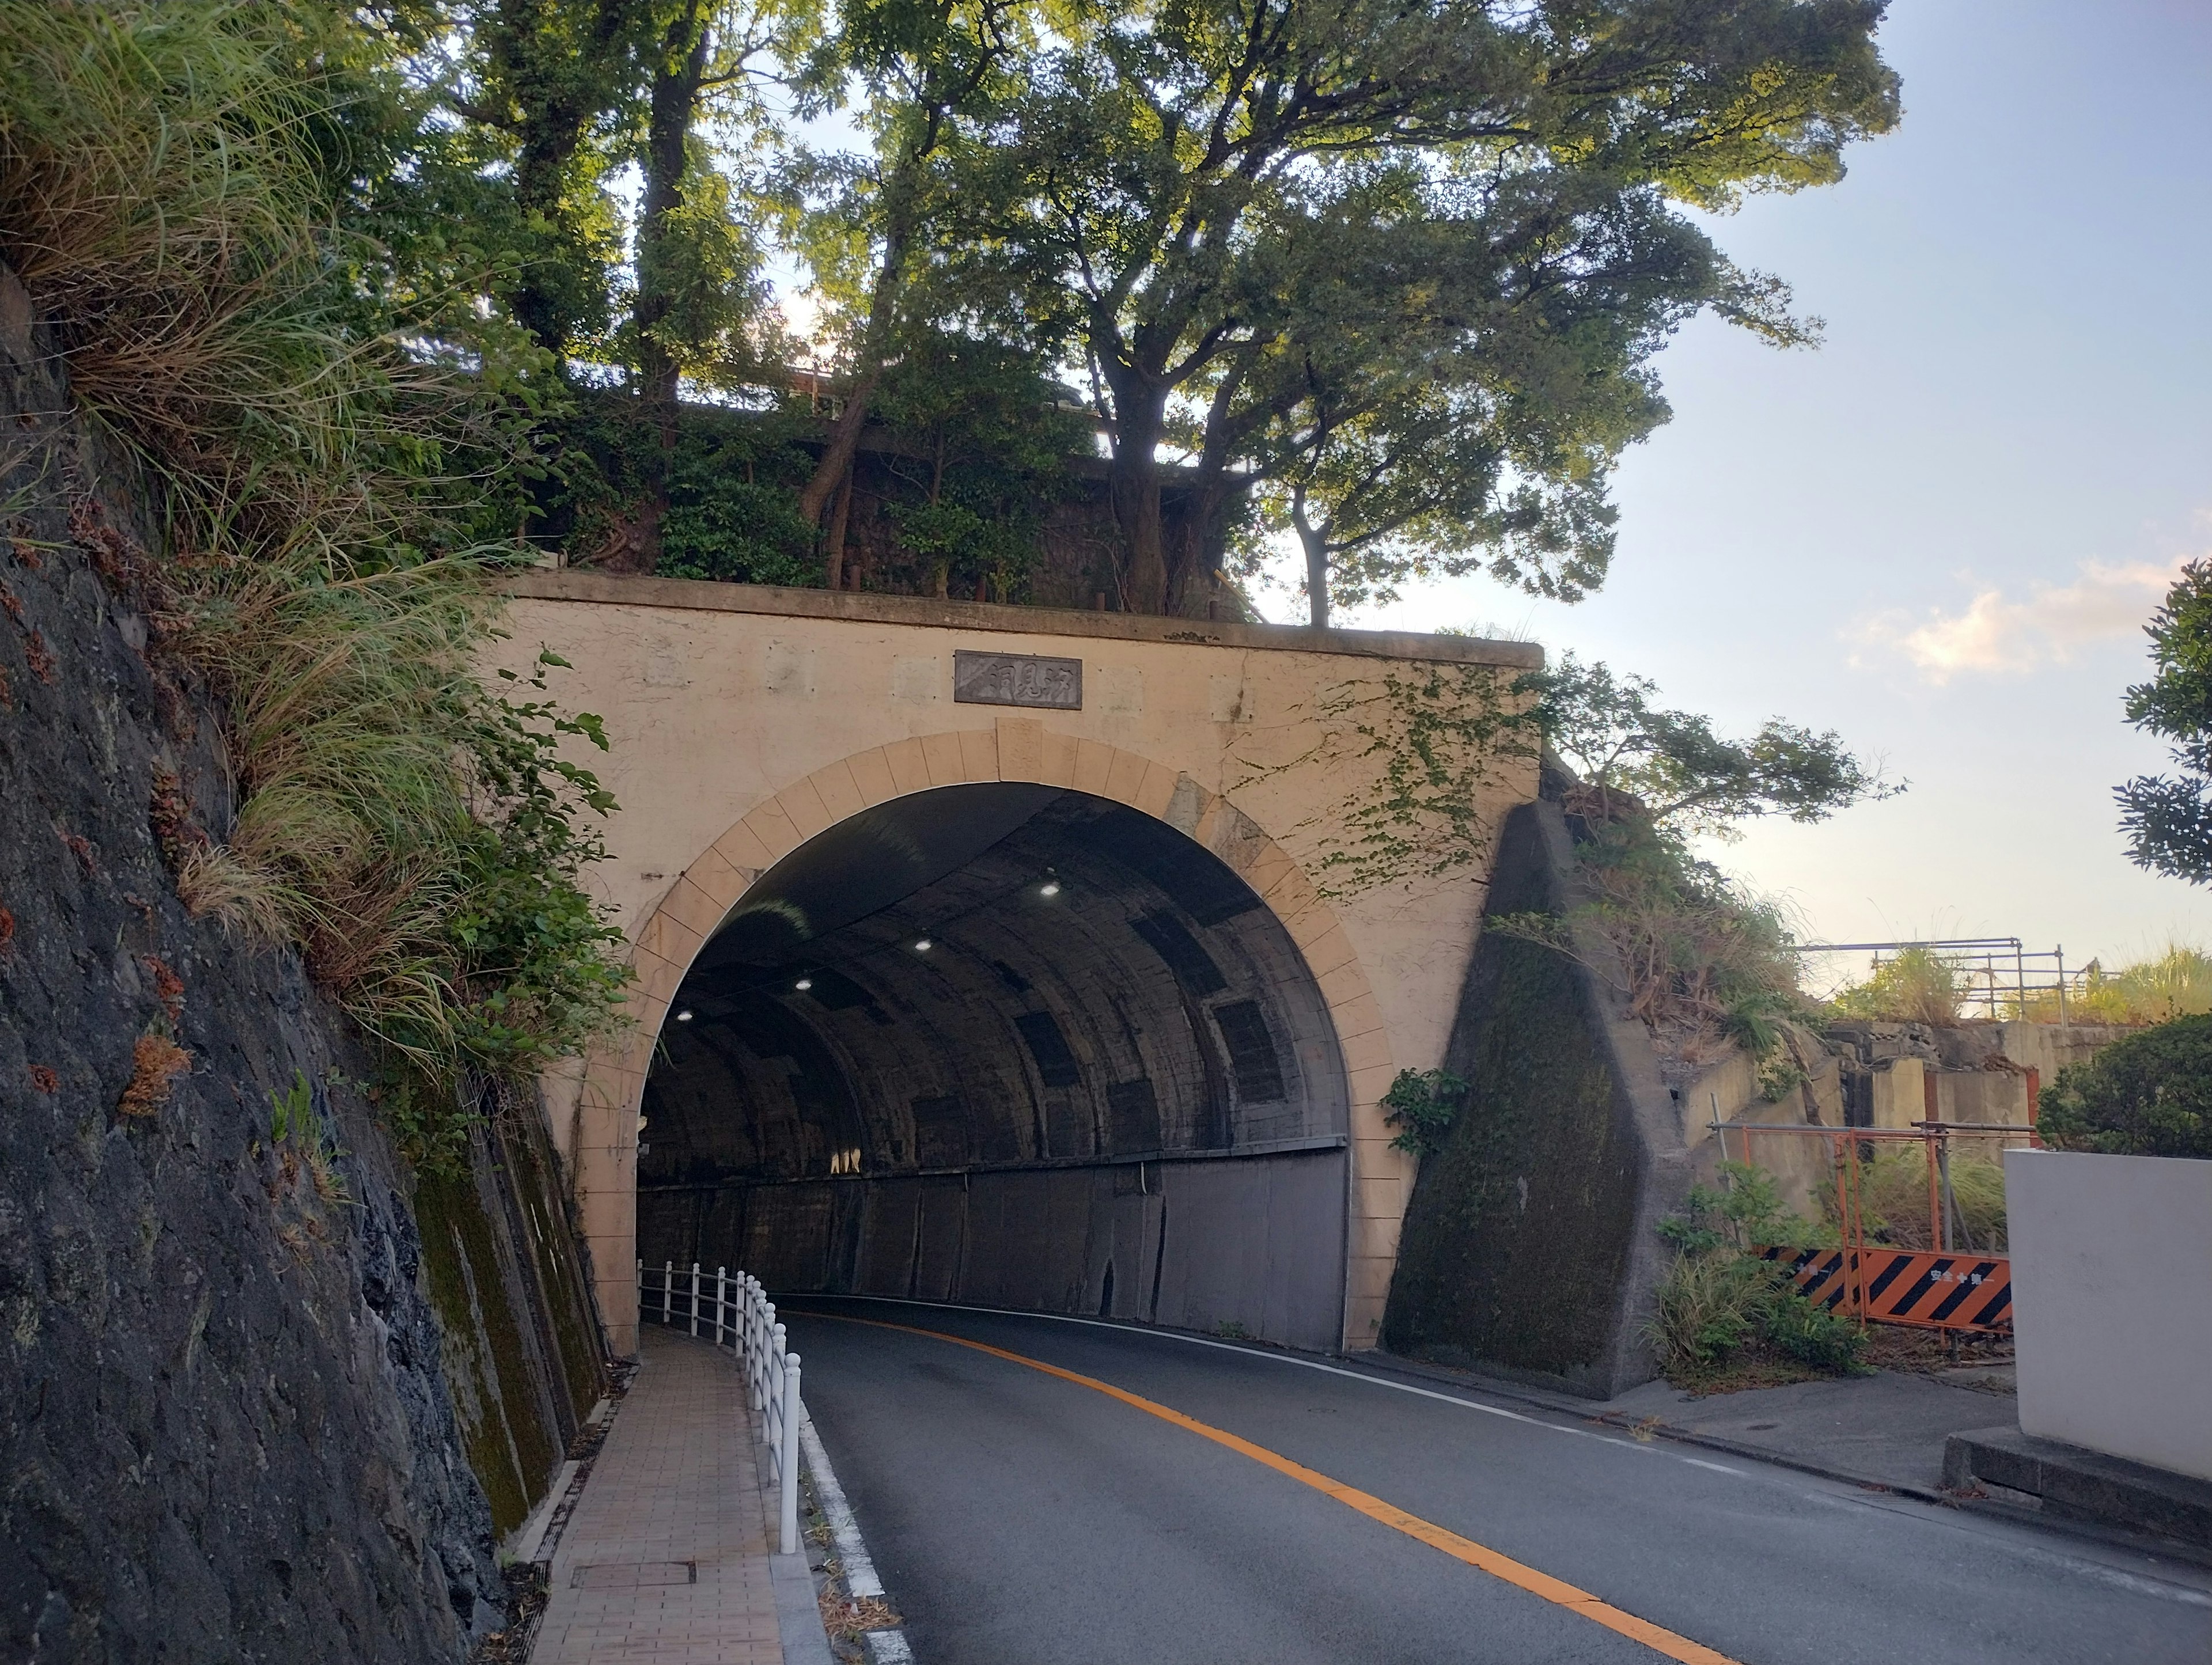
{"points": [[1719, 1296], [182, 186], [1914, 986]]}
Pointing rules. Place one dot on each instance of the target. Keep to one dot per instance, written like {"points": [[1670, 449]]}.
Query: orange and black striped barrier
{"points": [[1934, 1291]]}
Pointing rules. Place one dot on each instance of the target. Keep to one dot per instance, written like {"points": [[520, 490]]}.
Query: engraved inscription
{"points": [[1018, 680]]}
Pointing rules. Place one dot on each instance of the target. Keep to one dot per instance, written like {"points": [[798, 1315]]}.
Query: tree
{"points": [[1671, 769], [1407, 443], [923, 67], [2169, 822], [555, 80], [1164, 164], [698, 285]]}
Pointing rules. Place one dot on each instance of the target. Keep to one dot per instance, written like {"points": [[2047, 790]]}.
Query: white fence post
{"points": [[790, 1464], [773, 1384], [746, 1317]]}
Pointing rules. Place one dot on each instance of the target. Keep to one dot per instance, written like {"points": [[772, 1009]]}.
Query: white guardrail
{"points": [[738, 1308]]}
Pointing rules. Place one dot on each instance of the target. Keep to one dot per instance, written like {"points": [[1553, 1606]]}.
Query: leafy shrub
{"points": [[1717, 1296], [2149, 1094], [1713, 1302], [1423, 1105], [1746, 1212], [1810, 1334], [732, 506]]}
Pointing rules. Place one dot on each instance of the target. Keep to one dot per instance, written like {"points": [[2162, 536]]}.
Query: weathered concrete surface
{"points": [[1531, 1247], [746, 721], [2069, 1482], [2111, 1290]]}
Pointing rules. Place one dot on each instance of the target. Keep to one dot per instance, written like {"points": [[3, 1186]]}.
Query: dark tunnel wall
{"points": [[1108, 1084]]}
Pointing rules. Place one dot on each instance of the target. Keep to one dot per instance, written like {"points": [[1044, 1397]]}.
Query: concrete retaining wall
{"points": [[2111, 1267]]}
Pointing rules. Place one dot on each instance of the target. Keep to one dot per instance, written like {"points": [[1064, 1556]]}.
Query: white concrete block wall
{"points": [[2112, 1285]]}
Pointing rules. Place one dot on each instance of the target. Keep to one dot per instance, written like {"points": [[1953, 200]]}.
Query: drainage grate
{"points": [[633, 1574]]}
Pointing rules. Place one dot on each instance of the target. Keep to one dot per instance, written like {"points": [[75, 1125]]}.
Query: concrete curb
{"points": [[798, 1615], [886, 1647], [2075, 1485]]}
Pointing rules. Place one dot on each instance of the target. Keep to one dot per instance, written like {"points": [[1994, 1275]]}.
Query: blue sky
{"points": [[1941, 532]]}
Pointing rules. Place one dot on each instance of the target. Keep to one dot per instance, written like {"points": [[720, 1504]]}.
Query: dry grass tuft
{"points": [[156, 1060], [250, 905], [848, 1616]]}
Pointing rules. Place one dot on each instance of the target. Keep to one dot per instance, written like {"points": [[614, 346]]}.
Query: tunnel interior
{"points": [[1011, 1045]]}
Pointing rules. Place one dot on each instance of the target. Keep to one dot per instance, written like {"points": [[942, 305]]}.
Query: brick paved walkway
{"points": [[676, 1488]]}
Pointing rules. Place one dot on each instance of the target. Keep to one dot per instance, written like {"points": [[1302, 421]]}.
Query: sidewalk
{"points": [[667, 1557], [1885, 1430]]}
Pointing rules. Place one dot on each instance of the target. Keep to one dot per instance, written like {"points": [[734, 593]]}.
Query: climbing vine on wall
{"points": [[1426, 742]]}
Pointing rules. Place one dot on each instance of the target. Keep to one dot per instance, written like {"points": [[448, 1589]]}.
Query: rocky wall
{"points": [[239, 1397]]}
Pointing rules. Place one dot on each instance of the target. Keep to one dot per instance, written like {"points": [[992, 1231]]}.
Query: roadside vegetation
{"points": [[188, 191], [1703, 961], [2149, 1094], [1725, 1314]]}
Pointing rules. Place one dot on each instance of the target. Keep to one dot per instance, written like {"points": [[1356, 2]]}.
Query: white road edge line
{"points": [[2176, 1592], [1302, 1364], [885, 1647]]}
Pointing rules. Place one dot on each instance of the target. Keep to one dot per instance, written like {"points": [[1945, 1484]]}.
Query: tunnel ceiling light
{"points": [[921, 944], [1049, 887], [804, 984], [684, 1016]]}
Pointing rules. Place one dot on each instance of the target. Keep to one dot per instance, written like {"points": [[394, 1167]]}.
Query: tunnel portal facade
{"points": [[1012, 1045], [979, 955]]}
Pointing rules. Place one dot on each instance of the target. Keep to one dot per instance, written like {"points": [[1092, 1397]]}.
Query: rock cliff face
{"points": [[230, 1367]]}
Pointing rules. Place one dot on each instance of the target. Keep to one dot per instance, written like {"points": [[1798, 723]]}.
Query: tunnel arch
{"points": [[1341, 1017]]}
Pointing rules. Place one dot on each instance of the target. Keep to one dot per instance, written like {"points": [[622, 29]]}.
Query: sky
{"points": [[1942, 531]]}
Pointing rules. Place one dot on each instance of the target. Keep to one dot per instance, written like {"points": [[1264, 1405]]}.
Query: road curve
{"points": [[1019, 1517]]}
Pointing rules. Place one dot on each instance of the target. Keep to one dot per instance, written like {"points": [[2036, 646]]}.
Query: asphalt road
{"points": [[1018, 1518]]}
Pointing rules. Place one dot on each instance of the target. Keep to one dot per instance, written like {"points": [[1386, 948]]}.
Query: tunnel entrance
{"points": [[988, 1043]]}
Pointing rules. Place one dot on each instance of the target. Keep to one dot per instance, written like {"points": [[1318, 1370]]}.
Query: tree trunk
{"points": [[839, 518], [844, 446], [875, 348], [1134, 485], [1316, 543], [675, 99]]}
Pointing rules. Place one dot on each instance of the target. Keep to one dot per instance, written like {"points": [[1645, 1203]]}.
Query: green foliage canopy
{"points": [[2168, 821], [1674, 770]]}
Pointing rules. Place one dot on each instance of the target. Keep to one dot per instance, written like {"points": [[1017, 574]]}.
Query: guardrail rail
{"points": [[735, 1312]]}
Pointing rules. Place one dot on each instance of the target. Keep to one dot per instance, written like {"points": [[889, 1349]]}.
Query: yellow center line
{"points": [[1513, 1572]]}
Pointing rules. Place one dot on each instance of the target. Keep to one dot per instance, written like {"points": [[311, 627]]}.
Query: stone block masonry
{"points": [[228, 1420]]}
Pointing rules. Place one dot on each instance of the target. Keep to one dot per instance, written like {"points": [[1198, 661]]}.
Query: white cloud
{"points": [[1997, 633]]}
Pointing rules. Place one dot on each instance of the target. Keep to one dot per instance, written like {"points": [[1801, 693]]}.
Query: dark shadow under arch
{"points": [[1110, 1052]]}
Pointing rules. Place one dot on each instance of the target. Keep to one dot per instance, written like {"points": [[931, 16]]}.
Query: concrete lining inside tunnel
{"points": [[1109, 1083]]}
